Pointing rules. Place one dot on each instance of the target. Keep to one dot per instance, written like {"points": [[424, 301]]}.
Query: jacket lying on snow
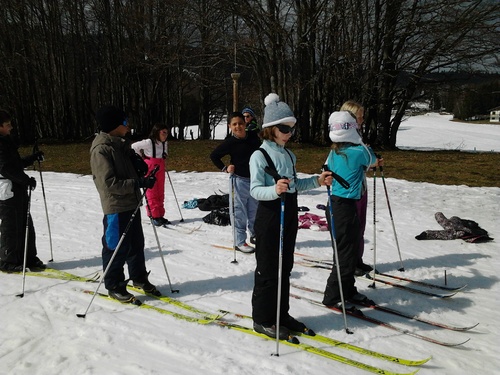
{"points": [[455, 228]]}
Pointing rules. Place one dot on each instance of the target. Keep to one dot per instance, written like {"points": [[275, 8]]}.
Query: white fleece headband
{"points": [[343, 128]]}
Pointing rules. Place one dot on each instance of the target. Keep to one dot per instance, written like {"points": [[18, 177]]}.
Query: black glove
{"points": [[34, 157], [32, 183], [140, 165], [146, 182], [38, 156]]}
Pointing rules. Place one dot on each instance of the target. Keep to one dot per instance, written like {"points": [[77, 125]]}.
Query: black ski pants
{"points": [[267, 234], [13, 214], [131, 250], [346, 225]]}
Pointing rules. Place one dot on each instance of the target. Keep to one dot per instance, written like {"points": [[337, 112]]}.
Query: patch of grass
{"points": [[437, 167]]}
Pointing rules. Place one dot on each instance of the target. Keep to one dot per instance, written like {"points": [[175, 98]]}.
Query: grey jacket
{"points": [[114, 173]]}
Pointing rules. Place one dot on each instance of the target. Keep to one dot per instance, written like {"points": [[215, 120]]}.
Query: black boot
{"points": [[121, 294], [10, 267], [144, 284], [36, 265], [294, 325], [270, 330]]}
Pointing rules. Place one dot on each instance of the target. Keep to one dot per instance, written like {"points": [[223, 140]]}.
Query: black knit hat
{"points": [[109, 118]]}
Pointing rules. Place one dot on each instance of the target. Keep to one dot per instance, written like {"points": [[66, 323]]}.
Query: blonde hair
{"points": [[351, 106], [338, 147]]}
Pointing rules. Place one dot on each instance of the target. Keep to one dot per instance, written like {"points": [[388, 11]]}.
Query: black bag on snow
{"points": [[213, 202], [218, 217]]}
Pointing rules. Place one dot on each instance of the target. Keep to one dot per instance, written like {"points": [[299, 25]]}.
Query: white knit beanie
{"points": [[277, 112], [343, 128]]}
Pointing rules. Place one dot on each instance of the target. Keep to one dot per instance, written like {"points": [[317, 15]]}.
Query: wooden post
{"points": [[235, 77]]}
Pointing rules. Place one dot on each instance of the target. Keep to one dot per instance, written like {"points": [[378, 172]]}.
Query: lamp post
{"points": [[235, 77]]}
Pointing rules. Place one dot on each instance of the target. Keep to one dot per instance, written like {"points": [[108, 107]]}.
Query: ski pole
{"points": [[277, 177], [374, 226], [176, 201], [280, 272], [231, 214], [335, 249], [390, 214], [26, 237], [35, 149], [158, 241], [129, 224]]}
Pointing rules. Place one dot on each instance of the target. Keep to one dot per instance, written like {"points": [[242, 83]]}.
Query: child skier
{"points": [[154, 151], [277, 130], [349, 158], [240, 146]]}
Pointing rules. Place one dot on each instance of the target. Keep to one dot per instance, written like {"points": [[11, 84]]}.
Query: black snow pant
{"points": [[13, 213], [346, 225], [131, 250], [267, 234]]}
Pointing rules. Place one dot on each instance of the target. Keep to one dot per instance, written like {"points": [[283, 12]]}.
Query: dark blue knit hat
{"points": [[250, 111]]}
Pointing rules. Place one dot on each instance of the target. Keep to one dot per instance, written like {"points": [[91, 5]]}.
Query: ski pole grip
{"points": [[154, 171], [379, 156], [338, 178], [276, 177]]}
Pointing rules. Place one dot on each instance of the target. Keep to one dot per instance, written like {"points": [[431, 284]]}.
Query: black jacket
{"points": [[12, 164], [239, 150]]}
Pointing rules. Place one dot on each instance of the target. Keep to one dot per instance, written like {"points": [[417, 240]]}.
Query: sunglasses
{"points": [[285, 129]]}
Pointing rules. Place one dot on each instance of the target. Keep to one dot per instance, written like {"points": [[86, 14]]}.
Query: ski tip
{"points": [[216, 317], [424, 361], [461, 343]]}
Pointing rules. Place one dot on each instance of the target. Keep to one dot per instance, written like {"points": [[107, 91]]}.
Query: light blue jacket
{"points": [[351, 165], [262, 184]]}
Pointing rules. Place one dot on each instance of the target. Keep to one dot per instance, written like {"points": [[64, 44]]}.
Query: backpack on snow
{"points": [[213, 202], [218, 217]]}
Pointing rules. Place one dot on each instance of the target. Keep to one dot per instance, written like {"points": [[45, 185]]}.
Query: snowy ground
{"points": [[41, 334], [436, 132]]}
